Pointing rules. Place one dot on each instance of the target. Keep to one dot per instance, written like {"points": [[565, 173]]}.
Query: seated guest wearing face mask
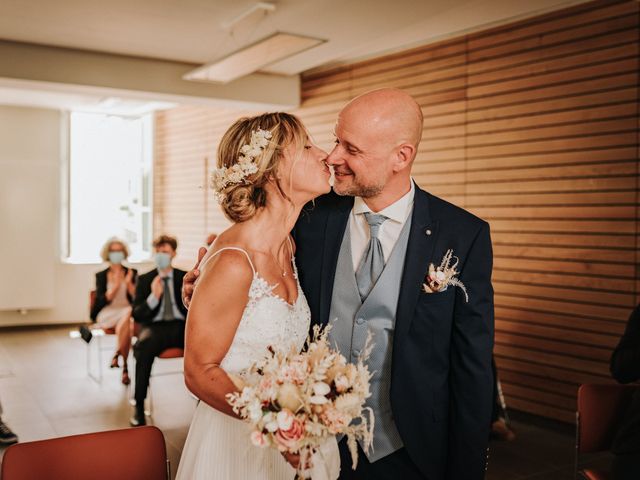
{"points": [[115, 288], [625, 368], [160, 313]]}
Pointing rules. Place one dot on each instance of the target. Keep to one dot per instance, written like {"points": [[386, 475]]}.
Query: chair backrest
{"points": [[172, 352], [133, 453], [92, 299], [600, 410]]}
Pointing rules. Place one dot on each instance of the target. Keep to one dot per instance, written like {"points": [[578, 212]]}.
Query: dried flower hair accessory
{"points": [[439, 278], [237, 173]]}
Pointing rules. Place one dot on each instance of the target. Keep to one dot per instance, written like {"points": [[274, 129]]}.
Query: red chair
{"points": [[172, 353], [132, 454], [600, 410], [98, 333], [168, 353]]}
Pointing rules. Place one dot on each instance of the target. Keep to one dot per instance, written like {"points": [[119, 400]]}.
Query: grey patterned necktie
{"points": [[167, 308], [372, 262]]}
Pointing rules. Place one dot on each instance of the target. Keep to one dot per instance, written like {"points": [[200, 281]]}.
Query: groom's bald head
{"points": [[377, 138], [389, 112]]}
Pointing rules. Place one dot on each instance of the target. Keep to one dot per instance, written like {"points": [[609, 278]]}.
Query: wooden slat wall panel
{"points": [[552, 149], [534, 127], [186, 140]]}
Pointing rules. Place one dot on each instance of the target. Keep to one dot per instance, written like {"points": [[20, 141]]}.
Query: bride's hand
{"points": [[294, 460], [189, 280]]}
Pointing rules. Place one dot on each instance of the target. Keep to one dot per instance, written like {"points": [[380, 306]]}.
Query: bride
{"points": [[248, 297]]}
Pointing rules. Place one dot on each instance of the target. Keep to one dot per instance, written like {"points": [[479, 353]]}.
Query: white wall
{"points": [[32, 160]]}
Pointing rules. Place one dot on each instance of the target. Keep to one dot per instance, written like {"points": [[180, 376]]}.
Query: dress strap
{"points": [[232, 248], [290, 246], [293, 258]]}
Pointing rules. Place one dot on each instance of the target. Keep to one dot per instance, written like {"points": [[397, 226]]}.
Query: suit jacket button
{"points": [[428, 232], [360, 321]]}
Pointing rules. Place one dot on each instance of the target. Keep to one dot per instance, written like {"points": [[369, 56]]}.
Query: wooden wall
{"points": [[185, 147], [534, 127]]}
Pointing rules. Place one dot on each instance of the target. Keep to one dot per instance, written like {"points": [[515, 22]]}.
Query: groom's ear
{"points": [[405, 154]]}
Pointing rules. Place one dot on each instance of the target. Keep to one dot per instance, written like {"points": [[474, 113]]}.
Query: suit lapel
{"points": [[422, 236], [337, 221], [178, 276]]}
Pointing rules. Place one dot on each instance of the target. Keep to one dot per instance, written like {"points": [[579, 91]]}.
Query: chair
{"points": [[133, 453], [168, 353], [98, 333], [600, 410]]}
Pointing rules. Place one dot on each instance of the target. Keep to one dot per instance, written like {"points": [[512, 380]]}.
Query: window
{"points": [[110, 184]]}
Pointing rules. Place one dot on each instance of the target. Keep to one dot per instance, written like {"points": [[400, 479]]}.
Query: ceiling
{"points": [[197, 31], [194, 30]]}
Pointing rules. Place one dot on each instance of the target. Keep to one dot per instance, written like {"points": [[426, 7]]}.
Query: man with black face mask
{"points": [[160, 314]]}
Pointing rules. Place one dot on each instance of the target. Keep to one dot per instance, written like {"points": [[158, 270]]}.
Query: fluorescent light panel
{"points": [[252, 58]]}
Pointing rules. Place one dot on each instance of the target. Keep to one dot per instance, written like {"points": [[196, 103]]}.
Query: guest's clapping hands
{"points": [[114, 280], [129, 282], [156, 287]]}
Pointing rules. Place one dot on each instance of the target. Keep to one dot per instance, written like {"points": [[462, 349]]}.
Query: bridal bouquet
{"points": [[295, 401]]}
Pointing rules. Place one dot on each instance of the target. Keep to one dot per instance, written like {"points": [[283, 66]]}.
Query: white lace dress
{"points": [[218, 446]]}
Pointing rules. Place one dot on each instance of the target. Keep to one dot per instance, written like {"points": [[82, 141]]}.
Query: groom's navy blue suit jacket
{"points": [[442, 383]]}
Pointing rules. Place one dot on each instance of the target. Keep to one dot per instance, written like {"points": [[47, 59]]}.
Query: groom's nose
{"points": [[335, 157]]}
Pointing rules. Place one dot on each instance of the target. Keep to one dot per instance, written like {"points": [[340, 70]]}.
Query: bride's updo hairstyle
{"points": [[241, 200]]}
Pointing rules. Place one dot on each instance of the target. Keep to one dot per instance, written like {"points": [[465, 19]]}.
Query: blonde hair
{"points": [[104, 253], [241, 201]]}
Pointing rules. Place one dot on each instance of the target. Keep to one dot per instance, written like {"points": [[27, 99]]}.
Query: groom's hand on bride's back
{"points": [[189, 281]]}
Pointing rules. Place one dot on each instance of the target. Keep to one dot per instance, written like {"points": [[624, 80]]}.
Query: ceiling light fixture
{"points": [[253, 57]]}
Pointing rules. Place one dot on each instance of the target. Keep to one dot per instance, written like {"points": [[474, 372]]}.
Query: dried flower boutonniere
{"points": [[439, 278]]}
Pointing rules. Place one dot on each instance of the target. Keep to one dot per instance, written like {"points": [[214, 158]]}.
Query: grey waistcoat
{"points": [[351, 320]]}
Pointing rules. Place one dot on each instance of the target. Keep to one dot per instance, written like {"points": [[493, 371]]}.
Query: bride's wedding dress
{"points": [[218, 446]]}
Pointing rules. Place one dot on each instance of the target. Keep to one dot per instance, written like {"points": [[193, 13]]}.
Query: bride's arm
{"points": [[214, 314]]}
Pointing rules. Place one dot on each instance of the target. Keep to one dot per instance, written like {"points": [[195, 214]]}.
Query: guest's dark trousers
{"points": [[153, 339], [626, 467], [397, 465], [497, 406]]}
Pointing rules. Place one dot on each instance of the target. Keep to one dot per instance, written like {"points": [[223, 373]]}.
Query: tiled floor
{"points": [[46, 393], [542, 450]]}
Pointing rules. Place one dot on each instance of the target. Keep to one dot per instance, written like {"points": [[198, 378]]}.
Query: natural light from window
{"points": [[109, 184]]}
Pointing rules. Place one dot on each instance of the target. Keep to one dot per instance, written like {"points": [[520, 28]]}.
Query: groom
{"points": [[363, 253]]}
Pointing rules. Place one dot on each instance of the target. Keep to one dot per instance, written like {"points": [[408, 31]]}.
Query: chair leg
{"points": [[88, 362], [96, 378], [149, 411], [577, 447], [100, 357]]}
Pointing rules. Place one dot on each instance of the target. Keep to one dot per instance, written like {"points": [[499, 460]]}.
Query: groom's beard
{"points": [[357, 189]]}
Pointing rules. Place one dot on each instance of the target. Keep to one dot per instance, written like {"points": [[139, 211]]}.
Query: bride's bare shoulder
{"points": [[228, 255]]}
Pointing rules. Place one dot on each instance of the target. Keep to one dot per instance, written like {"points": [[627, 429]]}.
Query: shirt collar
{"points": [[168, 275], [398, 211]]}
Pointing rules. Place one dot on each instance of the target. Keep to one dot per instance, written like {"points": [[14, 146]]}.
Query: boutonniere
{"points": [[439, 278]]}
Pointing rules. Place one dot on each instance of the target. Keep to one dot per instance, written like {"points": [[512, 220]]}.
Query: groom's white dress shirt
{"points": [[397, 213]]}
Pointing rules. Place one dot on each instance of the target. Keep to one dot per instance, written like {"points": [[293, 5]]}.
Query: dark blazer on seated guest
{"points": [[101, 291], [141, 311], [625, 368]]}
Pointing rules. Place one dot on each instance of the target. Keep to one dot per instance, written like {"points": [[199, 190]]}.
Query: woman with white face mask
{"points": [[115, 289]]}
